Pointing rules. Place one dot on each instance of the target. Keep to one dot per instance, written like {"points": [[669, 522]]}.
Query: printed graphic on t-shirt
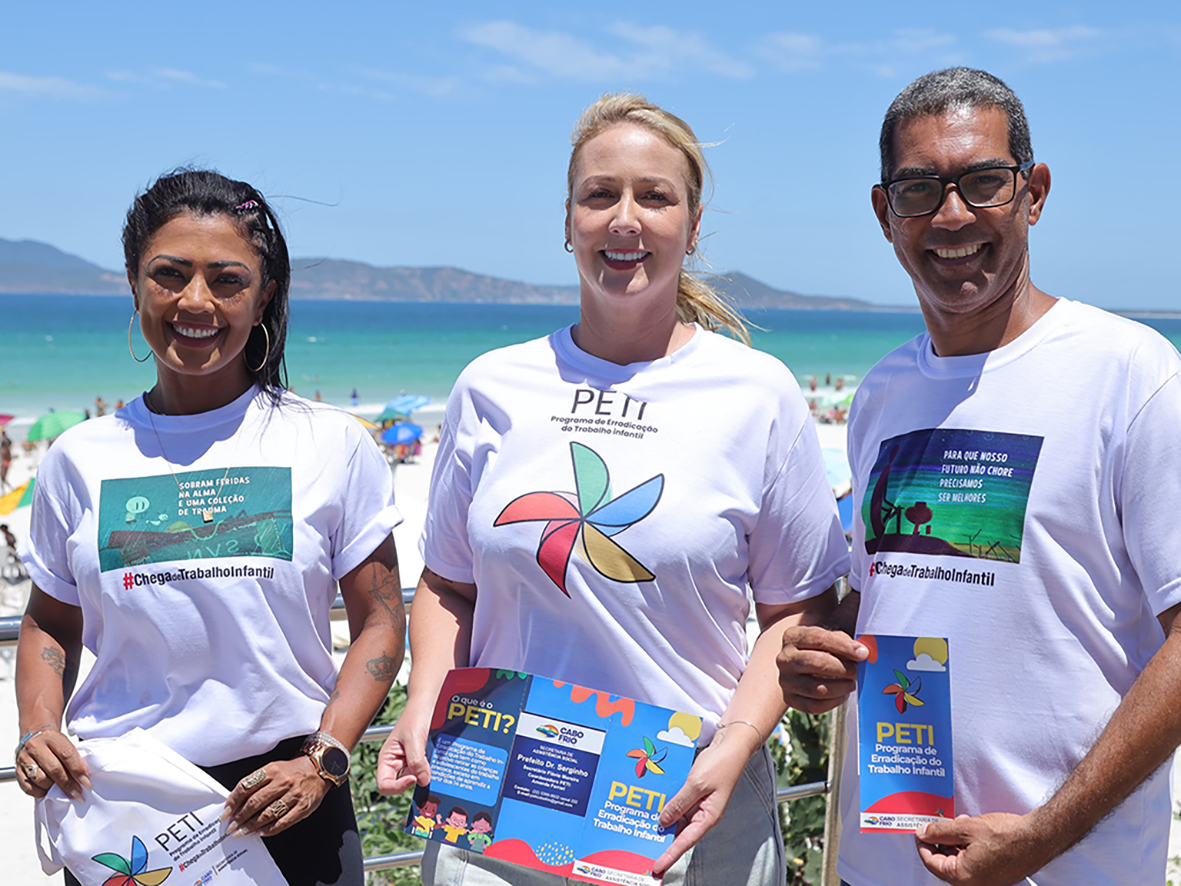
{"points": [[606, 412], [585, 520], [196, 515], [951, 492]]}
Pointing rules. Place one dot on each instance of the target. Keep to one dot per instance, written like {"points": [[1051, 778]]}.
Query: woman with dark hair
{"points": [[584, 526], [194, 541]]}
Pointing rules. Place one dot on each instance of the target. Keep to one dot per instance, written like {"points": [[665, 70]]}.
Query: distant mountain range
{"points": [[27, 266]]}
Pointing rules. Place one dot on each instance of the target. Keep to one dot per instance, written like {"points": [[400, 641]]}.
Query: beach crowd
{"points": [[579, 527]]}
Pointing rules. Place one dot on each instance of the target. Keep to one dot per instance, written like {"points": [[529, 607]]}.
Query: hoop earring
{"points": [[267, 354], [569, 247], [131, 323]]}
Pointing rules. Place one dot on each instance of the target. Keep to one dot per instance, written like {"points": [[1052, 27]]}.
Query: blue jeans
{"points": [[745, 847]]}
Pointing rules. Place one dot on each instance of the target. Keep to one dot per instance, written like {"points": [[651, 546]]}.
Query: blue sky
{"points": [[439, 132]]}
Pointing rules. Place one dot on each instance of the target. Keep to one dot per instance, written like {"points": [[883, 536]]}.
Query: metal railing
{"points": [[10, 633]]}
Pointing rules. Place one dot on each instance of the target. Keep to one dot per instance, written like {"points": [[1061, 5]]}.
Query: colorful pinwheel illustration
{"points": [[649, 760], [905, 692], [586, 520], [131, 872]]}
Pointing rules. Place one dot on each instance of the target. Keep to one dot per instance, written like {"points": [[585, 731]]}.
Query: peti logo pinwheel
{"points": [[586, 520], [649, 758], [130, 872], [905, 691]]}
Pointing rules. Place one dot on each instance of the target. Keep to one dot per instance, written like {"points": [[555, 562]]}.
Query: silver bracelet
{"points": [[758, 731], [25, 739]]}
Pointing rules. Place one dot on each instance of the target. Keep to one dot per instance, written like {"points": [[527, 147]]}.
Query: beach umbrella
{"points": [[403, 405], [5, 419], [403, 432], [51, 424], [366, 422], [18, 498]]}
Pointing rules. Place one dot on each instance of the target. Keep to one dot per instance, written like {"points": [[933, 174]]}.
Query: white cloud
{"points": [[795, 52], [651, 52], [1048, 44], [187, 77], [671, 49], [924, 662], [435, 87], [553, 53], [163, 78], [914, 40], [49, 87], [676, 735], [792, 51]]}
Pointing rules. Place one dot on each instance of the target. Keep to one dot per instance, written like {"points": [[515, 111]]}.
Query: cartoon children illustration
{"points": [[480, 835], [426, 820], [455, 824]]}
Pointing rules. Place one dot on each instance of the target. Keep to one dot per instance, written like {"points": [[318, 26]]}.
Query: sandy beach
{"points": [[411, 483]]}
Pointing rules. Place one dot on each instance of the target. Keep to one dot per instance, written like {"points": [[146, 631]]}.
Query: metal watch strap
{"points": [[325, 737], [315, 745]]}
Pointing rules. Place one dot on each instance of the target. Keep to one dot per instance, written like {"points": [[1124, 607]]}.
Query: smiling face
{"points": [[199, 293], [963, 261], [629, 217]]}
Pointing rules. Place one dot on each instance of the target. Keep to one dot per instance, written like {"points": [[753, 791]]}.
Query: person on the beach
{"points": [[5, 459], [656, 530], [217, 469], [1042, 435]]}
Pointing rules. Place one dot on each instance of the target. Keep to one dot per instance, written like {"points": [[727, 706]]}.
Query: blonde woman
{"points": [[641, 589]]}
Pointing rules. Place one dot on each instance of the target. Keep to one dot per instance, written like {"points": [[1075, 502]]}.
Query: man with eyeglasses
{"points": [[1018, 483]]}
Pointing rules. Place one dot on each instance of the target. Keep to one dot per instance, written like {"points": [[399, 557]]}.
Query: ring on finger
{"points": [[277, 809], [254, 779], [33, 771]]}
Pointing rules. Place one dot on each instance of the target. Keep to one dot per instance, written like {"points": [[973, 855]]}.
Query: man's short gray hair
{"points": [[951, 89]]}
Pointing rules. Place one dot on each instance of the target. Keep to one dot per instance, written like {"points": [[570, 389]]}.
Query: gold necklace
{"points": [[206, 513]]}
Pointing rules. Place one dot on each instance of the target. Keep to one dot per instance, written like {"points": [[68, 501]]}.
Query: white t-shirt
{"points": [[1050, 470], [206, 573], [612, 516]]}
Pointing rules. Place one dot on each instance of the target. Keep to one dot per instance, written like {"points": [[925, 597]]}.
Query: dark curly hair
{"points": [[205, 192]]}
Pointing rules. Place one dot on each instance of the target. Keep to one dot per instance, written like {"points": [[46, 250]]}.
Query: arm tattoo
{"points": [[332, 698], [382, 668], [55, 658], [388, 594]]}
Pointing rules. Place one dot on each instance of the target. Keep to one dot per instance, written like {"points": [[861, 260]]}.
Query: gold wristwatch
{"points": [[330, 757]]}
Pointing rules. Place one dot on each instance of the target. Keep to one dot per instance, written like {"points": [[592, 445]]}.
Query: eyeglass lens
{"points": [[981, 188]]}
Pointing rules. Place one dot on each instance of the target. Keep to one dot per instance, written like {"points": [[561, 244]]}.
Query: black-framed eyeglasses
{"points": [[984, 188]]}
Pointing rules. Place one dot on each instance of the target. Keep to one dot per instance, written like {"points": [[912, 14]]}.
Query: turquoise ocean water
{"points": [[62, 351]]}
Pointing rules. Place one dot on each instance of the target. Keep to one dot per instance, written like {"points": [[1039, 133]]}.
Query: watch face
{"points": [[335, 762]]}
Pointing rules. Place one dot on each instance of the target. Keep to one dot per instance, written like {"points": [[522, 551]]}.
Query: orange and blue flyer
{"points": [[552, 776], [904, 733]]}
